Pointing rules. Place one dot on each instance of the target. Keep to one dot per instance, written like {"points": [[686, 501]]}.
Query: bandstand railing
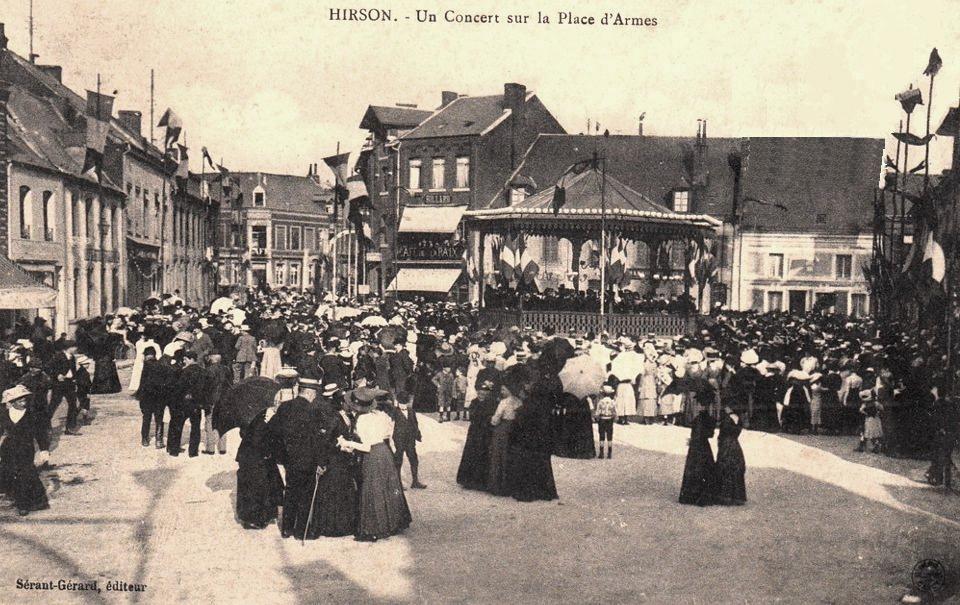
{"points": [[581, 322]]}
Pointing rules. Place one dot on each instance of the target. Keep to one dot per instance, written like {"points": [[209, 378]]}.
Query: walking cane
{"points": [[313, 500]]}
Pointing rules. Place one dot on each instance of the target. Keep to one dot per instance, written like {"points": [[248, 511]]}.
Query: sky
{"points": [[273, 86]]}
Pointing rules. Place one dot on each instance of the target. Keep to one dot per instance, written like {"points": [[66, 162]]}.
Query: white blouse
{"points": [[373, 427]]}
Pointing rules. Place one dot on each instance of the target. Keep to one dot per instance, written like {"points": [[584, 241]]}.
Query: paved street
{"points": [[819, 528]]}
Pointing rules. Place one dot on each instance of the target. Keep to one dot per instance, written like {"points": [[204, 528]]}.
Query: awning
{"points": [[424, 280], [431, 219], [19, 289]]}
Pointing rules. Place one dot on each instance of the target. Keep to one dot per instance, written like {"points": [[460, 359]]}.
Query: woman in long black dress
{"points": [[577, 431], [335, 512], [475, 460], [21, 425], [529, 470], [731, 466], [259, 485], [700, 471]]}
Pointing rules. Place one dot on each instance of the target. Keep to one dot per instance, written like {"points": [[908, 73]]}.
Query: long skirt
{"points": [[670, 404], [699, 476], [383, 507], [626, 400], [648, 397], [335, 511], [20, 479], [105, 378], [135, 374], [497, 471], [577, 432], [816, 411], [731, 468], [530, 475], [271, 362], [259, 492], [475, 460]]}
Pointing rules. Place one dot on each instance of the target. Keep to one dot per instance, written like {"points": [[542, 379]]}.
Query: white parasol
{"points": [[224, 303], [374, 321], [582, 376], [627, 365]]}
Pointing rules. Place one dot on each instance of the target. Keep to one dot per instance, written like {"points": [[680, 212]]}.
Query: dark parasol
{"points": [[240, 405]]}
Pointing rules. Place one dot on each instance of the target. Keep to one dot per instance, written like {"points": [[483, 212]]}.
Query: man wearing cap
{"points": [[63, 371], [22, 425], [300, 428], [186, 403], [245, 357], [218, 380], [406, 434]]}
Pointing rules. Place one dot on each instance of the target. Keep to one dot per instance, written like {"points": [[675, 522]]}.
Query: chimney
{"points": [[514, 98], [4, 160], [54, 71], [447, 97], [3, 38], [131, 120]]}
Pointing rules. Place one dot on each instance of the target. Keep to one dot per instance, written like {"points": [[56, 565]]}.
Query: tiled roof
{"points": [[393, 117], [463, 116], [810, 176], [284, 192]]}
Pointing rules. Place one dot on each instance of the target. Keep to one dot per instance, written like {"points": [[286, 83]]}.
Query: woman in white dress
{"points": [[142, 345], [648, 390], [271, 362], [626, 400]]}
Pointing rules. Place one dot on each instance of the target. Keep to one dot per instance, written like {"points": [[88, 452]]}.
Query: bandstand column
{"points": [[480, 264], [577, 244]]}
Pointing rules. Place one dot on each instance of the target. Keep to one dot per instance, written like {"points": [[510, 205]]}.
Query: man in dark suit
{"points": [[155, 381], [186, 404], [406, 434], [300, 430]]}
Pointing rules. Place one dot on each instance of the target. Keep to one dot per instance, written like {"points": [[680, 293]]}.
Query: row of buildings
{"points": [[796, 212], [137, 230]]}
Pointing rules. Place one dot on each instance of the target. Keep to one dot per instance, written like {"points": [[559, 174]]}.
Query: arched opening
{"points": [[26, 212]]}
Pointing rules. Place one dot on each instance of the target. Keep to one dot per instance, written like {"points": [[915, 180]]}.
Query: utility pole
{"points": [[151, 107], [33, 55]]}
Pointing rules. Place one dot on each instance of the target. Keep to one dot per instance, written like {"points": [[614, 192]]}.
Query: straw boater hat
{"points": [[14, 393], [330, 389]]}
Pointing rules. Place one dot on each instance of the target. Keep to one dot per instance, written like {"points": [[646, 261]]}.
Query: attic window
{"points": [[259, 196], [468, 123], [821, 219], [681, 201]]}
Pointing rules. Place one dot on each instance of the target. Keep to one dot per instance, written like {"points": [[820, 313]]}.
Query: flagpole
{"points": [[336, 226], [99, 172], [603, 241], [926, 156]]}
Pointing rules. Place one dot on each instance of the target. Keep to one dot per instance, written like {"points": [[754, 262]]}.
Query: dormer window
{"points": [[681, 201], [517, 195], [259, 197]]}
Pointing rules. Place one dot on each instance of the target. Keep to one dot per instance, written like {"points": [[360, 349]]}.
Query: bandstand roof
{"points": [[588, 198]]}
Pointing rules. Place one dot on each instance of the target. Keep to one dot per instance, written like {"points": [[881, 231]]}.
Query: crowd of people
{"points": [[349, 379], [588, 300]]}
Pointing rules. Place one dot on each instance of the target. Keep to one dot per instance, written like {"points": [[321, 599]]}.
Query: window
{"points": [[294, 278], [75, 214], [413, 182], [681, 201], [259, 197], [26, 212], [463, 173], [294, 239], [279, 274], [88, 220], [176, 226], [280, 238], [437, 176], [517, 195], [821, 219], [844, 266], [774, 301], [775, 266], [49, 216], [858, 305], [311, 273], [309, 238], [551, 251]]}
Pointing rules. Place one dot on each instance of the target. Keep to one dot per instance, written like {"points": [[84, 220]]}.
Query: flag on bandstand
{"points": [[172, 122], [527, 266], [703, 263], [509, 258], [617, 261]]}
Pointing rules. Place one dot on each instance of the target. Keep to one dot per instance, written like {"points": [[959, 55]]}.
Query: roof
{"points": [[810, 176], [287, 192], [19, 290], [430, 219], [379, 116], [832, 177], [464, 116], [590, 196]]}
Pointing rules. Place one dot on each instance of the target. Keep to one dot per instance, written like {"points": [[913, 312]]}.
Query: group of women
{"points": [[348, 485], [707, 481]]}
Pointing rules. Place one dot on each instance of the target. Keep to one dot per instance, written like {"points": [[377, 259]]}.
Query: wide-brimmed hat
{"points": [[363, 399], [749, 357], [445, 350], [14, 393], [330, 389], [287, 373]]}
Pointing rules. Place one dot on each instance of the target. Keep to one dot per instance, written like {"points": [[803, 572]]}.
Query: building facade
{"points": [[277, 234], [455, 159]]}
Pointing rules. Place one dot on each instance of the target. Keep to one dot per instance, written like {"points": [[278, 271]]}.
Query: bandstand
{"points": [[600, 209]]}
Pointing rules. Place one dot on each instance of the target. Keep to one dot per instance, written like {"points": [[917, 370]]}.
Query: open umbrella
{"points": [[373, 321], [345, 312], [125, 312], [627, 365], [241, 404], [237, 316], [224, 303], [582, 376]]}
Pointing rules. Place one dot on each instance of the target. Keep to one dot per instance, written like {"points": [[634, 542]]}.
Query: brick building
{"points": [[455, 159], [278, 233]]}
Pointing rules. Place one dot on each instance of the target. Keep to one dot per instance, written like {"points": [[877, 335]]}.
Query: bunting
{"points": [[173, 124], [208, 159], [560, 189], [99, 105]]}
